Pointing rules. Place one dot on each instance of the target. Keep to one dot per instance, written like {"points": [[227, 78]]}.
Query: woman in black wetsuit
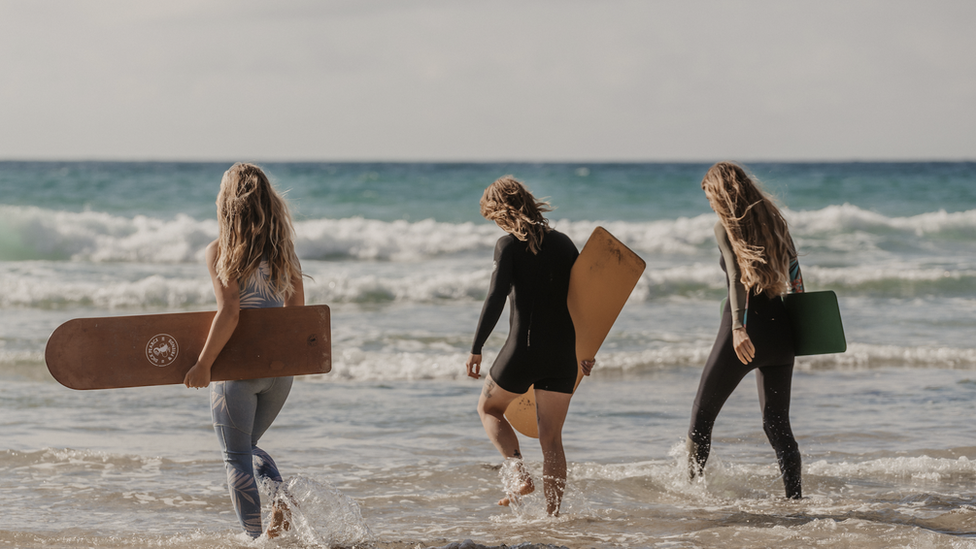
{"points": [[759, 259], [531, 269]]}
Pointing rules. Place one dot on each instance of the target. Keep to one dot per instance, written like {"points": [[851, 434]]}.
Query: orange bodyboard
{"points": [[600, 282], [144, 350]]}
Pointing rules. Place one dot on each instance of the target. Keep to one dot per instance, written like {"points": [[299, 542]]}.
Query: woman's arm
{"points": [[498, 290], [222, 327], [744, 349], [297, 299], [737, 292], [473, 366]]}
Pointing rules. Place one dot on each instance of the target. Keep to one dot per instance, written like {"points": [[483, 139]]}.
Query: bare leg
{"points": [[491, 407], [551, 409]]}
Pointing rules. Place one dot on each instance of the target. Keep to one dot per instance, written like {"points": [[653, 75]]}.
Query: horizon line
{"points": [[176, 160]]}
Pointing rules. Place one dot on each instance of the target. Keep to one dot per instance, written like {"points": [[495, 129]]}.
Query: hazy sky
{"points": [[488, 80]]}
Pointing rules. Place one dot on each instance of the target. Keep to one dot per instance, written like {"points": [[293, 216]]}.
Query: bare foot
{"points": [[525, 489], [280, 515]]}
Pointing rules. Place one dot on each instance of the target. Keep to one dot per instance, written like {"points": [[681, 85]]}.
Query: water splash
{"points": [[514, 476], [533, 507], [320, 515]]}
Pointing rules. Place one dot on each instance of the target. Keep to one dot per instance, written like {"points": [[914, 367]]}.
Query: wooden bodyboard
{"points": [[816, 323], [144, 350], [600, 282]]}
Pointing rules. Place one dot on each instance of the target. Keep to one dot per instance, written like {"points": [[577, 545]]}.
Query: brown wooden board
{"points": [[600, 282], [138, 351]]}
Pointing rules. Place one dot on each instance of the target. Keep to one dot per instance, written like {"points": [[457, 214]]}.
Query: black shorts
{"points": [[551, 369]]}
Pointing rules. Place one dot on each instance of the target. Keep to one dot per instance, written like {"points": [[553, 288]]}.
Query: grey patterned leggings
{"points": [[242, 411]]}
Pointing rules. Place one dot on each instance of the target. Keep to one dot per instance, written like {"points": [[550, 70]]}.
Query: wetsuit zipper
{"points": [[535, 294]]}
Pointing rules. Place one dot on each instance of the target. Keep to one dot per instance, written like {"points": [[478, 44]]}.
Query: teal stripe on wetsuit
{"points": [[242, 411]]}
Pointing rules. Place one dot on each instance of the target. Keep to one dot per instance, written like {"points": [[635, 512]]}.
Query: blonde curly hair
{"points": [[509, 203], [756, 228], [254, 224]]}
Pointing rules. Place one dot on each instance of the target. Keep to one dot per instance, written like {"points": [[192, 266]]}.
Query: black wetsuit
{"points": [[541, 345], [769, 329]]}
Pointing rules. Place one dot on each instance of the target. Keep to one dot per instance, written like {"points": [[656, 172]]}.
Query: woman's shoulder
{"points": [[557, 235], [719, 229], [210, 252], [507, 240], [562, 242], [722, 235]]}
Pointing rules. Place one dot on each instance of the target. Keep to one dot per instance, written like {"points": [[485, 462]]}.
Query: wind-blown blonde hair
{"points": [[254, 225], [509, 204], [757, 230]]}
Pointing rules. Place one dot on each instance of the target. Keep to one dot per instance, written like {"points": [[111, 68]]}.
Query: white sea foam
{"points": [[355, 364], [68, 461], [151, 292], [854, 277], [351, 363], [364, 353], [35, 233], [48, 286], [922, 468], [444, 360], [681, 236], [858, 356], [867, 356], [20, 357], [911, 467], [397, 240], [343, 285], [850, 218]]}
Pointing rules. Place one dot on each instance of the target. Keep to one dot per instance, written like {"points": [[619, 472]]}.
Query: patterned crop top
{"points": [[257, 292]]}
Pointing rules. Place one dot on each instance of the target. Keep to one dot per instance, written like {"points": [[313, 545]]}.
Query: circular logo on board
{"points": [[162, 350]]}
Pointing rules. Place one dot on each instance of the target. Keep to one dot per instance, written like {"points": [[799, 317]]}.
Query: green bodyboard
{"points": [[817, 328]]}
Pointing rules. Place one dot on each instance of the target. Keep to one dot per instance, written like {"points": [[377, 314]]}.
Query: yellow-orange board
{"points": [[137, 351], [600, 282]]}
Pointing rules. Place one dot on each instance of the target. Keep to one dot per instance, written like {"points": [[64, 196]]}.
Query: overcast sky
{"points": [[558, 80]]}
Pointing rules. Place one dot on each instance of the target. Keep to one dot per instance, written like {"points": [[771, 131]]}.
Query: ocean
{"points": [[387, 451]]}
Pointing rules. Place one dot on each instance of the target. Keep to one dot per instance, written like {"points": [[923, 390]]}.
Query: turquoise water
{"points": [[402, 257], [390, 191]]}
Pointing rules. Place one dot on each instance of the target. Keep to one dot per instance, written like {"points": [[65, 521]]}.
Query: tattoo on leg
{"points": [[518, 454], [489, 385]]}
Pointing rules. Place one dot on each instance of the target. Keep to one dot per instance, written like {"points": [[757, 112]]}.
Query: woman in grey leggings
{"points": [[252, 265]]}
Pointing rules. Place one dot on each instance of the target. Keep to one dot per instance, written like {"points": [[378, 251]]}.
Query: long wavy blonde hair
{"points": [[757, 230], [509, 203], [254, 225]]}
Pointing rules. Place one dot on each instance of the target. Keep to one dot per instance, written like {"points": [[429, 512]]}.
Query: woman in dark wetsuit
{"points": [[531, 269], [759, 259]]}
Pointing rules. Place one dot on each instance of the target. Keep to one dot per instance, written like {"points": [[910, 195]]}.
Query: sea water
{"points": [[387, 450]]}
